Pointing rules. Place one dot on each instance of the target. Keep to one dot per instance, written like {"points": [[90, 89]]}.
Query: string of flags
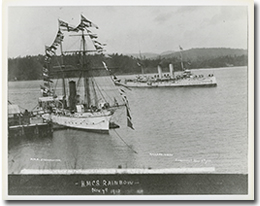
{"points": [[50, 51], [84, 24], [129, 118], [64, 26], [87, 23], [105, 66], [125, 100], [98, 45], [45, 90]]}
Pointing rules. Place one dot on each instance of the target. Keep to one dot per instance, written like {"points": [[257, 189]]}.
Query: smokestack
{"points": [[160, 71], [171, 71], [72, 96]]}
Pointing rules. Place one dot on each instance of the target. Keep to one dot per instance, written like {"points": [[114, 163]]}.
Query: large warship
{"points": [[185, 78]]}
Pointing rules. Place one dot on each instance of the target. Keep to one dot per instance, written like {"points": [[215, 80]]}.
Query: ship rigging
{"points": [[94, 111]]}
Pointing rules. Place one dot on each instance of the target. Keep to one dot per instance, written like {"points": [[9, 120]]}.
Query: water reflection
{"points": [[70, 149]]}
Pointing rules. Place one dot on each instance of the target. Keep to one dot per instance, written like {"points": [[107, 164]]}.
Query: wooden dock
{"points": [[26, 124], [30, 130]]}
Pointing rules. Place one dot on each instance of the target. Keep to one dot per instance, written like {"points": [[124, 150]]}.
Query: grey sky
{"points": [[128, 29]]}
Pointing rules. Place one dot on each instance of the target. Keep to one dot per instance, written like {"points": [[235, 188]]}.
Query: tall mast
{"points": [[48, 67], [95, 94], [64, 105], [181, 59], [141, 64], [87, 98]]}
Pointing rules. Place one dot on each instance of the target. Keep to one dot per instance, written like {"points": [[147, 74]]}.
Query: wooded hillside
{"points": [[30, 67]]}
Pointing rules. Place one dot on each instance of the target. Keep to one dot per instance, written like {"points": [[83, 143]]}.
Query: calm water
{"points": [[174, 127]]}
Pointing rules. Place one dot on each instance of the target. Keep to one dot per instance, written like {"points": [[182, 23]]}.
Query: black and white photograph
{"points": [[128, 101]]}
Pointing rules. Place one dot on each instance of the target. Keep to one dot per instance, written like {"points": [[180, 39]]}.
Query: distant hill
{"points": [[146, 55], [195, 53], [149, 55], [167, 52], [206, 53]]}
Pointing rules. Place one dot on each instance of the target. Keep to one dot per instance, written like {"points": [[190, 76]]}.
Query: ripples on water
{"points": [[174, 127]]}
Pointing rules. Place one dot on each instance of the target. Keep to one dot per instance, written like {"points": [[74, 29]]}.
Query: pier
{"points": [[26, 124], [30, 130]]}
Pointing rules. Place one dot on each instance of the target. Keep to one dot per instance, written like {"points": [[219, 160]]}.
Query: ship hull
{"points": [[99, 123], [202, 82]]}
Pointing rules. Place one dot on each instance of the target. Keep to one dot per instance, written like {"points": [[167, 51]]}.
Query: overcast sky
{"points": [[130, 29]]}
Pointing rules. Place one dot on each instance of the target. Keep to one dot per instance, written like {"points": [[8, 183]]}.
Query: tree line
{"points": [[31, 67]]}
